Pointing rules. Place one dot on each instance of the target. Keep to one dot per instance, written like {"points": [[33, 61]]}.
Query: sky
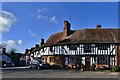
{"points": [[60, 0], [23, 24]]}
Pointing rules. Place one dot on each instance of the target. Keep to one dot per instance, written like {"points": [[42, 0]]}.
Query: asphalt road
{"points": [[25, 72]]}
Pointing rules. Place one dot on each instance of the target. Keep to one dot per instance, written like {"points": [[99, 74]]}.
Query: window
{"points": [[51, 48], [72, 47], [102, 59], [43, 50], [52, 59], [87, 48], [102, 46]]}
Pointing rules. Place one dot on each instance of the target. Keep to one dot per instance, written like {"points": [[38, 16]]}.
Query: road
{"points": [[25, 72]]}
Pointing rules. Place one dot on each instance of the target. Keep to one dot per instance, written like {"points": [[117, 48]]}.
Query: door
{"points": [[87, 63]]}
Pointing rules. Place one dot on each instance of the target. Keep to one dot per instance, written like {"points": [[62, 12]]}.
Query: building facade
{"points": [[71, 48]]}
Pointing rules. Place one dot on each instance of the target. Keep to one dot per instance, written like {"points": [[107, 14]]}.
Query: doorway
{"points": [[87, 63]]}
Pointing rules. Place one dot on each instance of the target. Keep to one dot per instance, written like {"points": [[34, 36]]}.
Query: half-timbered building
{"points": [[99, 46]]}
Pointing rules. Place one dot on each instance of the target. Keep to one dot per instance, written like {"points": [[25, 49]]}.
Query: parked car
{"points": [[8, 65], [38, 64], [103, 68]]}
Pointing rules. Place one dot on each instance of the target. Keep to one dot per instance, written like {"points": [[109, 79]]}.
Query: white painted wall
{"points": [[72, 52], [93, 50]]}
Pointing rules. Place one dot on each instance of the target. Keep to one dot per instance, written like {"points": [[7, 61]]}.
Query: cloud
{"points": [[53, 19], [11, 43], [20, 42], [42, 10], [42, 17], [7, 19], [32, 33]]}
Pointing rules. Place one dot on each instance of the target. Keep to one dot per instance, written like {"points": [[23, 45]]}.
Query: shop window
{"points": [[52, 59], [102, 59]]}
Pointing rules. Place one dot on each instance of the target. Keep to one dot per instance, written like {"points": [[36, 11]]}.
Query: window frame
{"points": [[87, 48]]}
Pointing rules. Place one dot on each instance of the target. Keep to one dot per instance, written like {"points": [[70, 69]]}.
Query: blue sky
{"points": [[36, 20]]}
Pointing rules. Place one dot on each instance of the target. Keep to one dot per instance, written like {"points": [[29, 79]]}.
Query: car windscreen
{"points": [[35, 62]]}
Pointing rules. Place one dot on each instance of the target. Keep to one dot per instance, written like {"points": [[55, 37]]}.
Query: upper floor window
{"points": [[102, 46], [43, 50], [72, 47], [87, 48], [51, 48]]}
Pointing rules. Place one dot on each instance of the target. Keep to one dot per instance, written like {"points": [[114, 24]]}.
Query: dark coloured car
{"points": [[38, 64], [8, 65]]}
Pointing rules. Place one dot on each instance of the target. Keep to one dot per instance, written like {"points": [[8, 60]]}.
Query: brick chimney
{"points": [[27, 50], [98, 26], [36, 45], [42, 42], [67, 26]]}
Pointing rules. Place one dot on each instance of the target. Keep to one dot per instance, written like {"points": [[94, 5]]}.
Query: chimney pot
{"points": [[98, 26]]}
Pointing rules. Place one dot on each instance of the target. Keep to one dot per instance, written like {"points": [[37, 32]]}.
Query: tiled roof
{"points": [[93, 36], [102, 35]]}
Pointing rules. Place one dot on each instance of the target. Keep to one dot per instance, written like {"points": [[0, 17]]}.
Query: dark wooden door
{"points": [[87, 63]]}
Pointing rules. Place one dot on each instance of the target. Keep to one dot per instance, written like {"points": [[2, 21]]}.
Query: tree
{"points": [[14, 56]]}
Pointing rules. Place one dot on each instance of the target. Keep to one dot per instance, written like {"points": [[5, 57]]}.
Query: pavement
{"points": [[8, 68]]}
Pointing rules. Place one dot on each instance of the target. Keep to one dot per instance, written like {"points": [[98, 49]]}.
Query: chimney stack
{"points": [[98, 26], [42, 42], [26, 51], [36, 45], [67, 26]]}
